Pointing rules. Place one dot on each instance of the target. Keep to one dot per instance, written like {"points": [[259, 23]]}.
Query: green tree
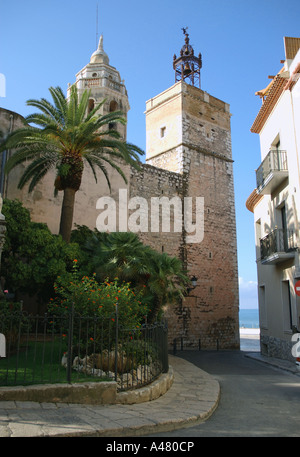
{"points": [[64, 135], [32, 256]]}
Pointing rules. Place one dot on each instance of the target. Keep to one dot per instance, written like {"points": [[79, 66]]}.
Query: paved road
{"points": [[257, 400]]}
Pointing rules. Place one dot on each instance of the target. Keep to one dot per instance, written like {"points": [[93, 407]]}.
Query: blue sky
{"points": [[45, 43]]}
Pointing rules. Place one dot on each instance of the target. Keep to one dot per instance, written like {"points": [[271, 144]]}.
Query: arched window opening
{"points": [[91, 105], [113, 106]]}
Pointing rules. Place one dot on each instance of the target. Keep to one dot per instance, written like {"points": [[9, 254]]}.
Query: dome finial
{"points": [[100, 45], [99, 56]]}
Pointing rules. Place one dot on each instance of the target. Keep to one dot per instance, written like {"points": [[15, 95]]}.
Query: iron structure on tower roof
{"points": [[187, 66]]}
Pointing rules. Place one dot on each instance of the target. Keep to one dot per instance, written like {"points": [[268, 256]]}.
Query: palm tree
{"points": [[167, 283], [121, 255], [64, 136]]}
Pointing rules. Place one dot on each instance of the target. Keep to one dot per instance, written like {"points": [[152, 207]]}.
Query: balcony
{"points": [[277, 246], [272, 172], [100, 82]]}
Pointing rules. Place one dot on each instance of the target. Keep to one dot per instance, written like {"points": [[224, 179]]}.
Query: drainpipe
{"points": [[297, 256], [4, 158]]}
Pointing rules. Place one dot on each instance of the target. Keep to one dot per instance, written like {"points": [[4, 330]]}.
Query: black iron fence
{"points": [[279, 240], [75, 348]]}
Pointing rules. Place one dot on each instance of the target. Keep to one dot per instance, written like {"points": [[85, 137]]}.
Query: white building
{"points": [[276, 206]]}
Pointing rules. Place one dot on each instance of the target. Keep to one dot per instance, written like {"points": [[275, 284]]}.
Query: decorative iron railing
{"points": [[72, 348], [279, 240], [274, 161]]}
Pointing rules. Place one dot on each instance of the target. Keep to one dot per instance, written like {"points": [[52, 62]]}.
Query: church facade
{"points": [[188, 173]]}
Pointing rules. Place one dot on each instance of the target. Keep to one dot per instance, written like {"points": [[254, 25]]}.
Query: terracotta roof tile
{"points": [[272, 96], [291, 46]]}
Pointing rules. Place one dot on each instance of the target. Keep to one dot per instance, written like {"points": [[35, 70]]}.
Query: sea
{"points": [[249, 318]]}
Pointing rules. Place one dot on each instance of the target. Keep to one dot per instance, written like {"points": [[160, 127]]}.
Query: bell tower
{"points": [[104, 82], [187, 66], [189, 134]]}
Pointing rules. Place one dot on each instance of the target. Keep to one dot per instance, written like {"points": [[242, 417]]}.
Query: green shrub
{"points": [[103, 302]]}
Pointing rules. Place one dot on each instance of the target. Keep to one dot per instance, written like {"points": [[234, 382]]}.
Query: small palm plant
{"points": [[64, 136], [167, 284], [162, 278], [121, 255]]}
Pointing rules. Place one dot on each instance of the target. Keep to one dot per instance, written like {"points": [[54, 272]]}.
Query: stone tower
{"points": [[104, 82], [188, 132]]}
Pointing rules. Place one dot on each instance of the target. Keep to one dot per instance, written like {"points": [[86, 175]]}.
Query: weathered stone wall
{"points": [[276, 347], [214, 313], [155, 182], [209, 315]]}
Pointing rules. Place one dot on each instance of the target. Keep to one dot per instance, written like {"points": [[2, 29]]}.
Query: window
{"points": [[287, 305], [281, 220], [162, 132], [113, 106], [262, 306], [91, 105], [258, 238], [275, 145]]}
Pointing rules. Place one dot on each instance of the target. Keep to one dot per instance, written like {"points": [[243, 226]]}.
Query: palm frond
{"points": [[97, 162], [95, 110], [39, 119], [60, 102], [45, 107], [35, 171], [82, 108]]}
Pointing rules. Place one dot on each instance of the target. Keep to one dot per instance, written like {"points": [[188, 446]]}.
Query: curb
{"points": [[148, 393], [94, 393]]}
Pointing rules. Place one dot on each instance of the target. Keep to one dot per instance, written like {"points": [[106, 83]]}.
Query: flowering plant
{"points": [[104, 300]]}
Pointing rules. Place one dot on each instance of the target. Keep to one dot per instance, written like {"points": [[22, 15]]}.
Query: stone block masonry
{"points": [[209, 315]]}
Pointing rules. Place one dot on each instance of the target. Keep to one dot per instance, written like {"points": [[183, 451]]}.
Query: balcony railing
{"points": [[278, 246], [272, 171], [83, 83]]}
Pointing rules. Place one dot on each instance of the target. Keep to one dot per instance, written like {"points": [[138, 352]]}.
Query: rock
{"points": [[64, 360]]}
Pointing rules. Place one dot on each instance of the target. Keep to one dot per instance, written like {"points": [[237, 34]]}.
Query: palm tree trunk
{"points": [[67, 210], [156, 306]]}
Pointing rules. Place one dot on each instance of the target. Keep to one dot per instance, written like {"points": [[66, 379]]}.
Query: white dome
{"points": [[99, 56]]}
